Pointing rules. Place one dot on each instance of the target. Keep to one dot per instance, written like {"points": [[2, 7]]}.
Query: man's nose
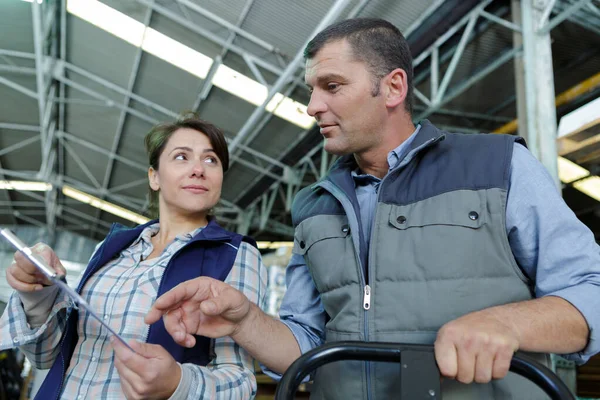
{"points": [[316, 105]]}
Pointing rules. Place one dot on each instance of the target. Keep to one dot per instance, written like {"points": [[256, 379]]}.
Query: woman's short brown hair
{"points": [[156, 140]]}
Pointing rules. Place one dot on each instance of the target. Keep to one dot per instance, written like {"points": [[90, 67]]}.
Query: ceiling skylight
{"points": [[108, 19], [103, 205], [569, 172], [589, 186], [186, 58], [176, 53], [29, 186]]}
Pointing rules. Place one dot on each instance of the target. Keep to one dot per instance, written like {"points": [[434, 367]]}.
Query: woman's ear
{"points": [[153, 180]]}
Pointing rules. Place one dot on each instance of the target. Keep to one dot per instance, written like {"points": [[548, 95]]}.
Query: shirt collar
{"points": [[393, 158], [151, 230]]}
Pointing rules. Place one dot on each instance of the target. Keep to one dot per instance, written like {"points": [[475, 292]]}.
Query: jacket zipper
{"points": [[367, 292], [366, 289]]}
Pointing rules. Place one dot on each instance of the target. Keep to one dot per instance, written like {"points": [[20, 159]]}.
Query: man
{"points": [[415, 235]]}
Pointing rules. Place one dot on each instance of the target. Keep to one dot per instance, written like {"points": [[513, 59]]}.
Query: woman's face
{"points": [[189, 176]]}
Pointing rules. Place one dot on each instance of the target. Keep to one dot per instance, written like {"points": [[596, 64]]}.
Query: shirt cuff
{"points": [[185, 383], [37, 305], [585, 298], [304, 344]]}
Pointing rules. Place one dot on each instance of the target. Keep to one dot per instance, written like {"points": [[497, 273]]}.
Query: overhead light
{"points": [[26, 186], [569, 172], [274, 245], [240, 85], [103, 205], [108, 19], [291, 111], [589, 186], [176, 53], [31, 1], [188, 59]]}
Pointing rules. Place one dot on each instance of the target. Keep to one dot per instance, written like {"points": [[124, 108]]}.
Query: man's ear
{"points": [[396, 83], [153, 180]]}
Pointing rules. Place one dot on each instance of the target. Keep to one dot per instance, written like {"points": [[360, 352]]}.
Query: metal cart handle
{"points": [[418, 369]]}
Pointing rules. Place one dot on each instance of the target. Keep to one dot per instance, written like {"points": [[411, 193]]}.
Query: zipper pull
{"points": [[367, 297]]}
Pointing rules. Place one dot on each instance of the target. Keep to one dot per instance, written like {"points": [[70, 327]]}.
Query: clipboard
{"points": [[58, 280]]}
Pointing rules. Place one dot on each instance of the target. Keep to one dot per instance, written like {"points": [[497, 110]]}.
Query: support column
{"points": [[537, 112]]}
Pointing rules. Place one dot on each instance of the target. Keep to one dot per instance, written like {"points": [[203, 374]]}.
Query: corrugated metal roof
{"points": [[286, 25]]}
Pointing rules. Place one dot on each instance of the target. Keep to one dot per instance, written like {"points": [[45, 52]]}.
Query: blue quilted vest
{"points": [[211, 252]]}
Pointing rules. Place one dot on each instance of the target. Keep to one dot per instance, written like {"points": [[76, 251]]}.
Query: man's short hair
{"points": [[376, 42]]}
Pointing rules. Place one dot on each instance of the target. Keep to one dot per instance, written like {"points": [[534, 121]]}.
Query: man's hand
{"points": [[476, 347], [149, 373], [201, 306]]}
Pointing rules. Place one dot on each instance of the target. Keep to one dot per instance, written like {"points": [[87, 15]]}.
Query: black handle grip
{"points": [[391, 352]]}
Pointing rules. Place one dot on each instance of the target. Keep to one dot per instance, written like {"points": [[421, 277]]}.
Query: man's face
{"points": [[349, 116]]}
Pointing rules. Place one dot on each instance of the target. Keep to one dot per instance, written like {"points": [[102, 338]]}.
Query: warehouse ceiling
{"points": [[82, 82]]}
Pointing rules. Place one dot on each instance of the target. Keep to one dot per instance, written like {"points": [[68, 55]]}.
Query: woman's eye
{"points": [[180, 156], [210, 160]]}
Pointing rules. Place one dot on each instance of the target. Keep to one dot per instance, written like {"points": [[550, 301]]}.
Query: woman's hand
{"points": [[149, 373], [23, 276]]}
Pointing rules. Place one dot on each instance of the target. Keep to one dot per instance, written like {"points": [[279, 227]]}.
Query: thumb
{"points": [[146, 350], [60, 270]]}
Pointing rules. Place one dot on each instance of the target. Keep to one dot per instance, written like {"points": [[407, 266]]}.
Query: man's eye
{"points": [[332, 86]]}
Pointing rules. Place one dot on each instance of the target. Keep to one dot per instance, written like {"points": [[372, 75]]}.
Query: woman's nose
{"points": [[198, 168]]}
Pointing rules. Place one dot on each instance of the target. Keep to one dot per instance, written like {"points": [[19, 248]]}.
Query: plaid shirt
{"points": [[122, 292]]}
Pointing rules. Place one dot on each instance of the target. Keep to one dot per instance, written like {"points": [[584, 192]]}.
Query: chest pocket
{"points": [[467, 212], [325, 241], [443, 237]]}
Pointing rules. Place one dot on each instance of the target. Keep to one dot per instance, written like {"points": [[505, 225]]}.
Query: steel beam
{"points": [[450, 32], [84, 168], [466, 114], [95, 147], [18, 54], [335, 10], [123, 115], [466, 84], [545, 28], [18, 88], [210, 36], [228, 25], [500, 21], [423, 17], [19, 127], [40, 75], [19, 145], [455, 58], [11, 69], [9, 204], [59, 75]]}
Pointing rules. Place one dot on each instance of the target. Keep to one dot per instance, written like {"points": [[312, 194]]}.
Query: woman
{"points": [[127, 272]]}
